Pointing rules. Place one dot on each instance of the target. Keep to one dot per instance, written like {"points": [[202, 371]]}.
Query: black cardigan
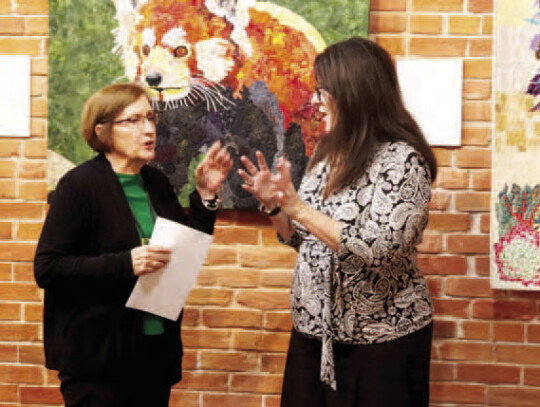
{"points": [[83, 261]]}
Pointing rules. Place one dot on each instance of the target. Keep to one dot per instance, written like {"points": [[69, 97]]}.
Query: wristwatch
{"points": [[269, 212]]}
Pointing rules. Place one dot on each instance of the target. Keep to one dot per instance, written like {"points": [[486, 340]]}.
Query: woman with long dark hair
{"points": [[361, 311]]}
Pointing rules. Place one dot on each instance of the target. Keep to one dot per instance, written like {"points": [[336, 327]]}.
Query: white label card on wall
{"points": [[432, 91], [14, 96]]}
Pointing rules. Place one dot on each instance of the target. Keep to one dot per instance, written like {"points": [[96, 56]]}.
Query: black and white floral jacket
{"points": [[371, 290]]}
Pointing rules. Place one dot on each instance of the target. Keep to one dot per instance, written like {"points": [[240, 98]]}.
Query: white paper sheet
{"points": [[432, 91], [164, 292], [14, 95]]}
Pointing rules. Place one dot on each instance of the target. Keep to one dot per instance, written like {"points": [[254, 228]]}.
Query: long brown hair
{"points": [[367, 110]]}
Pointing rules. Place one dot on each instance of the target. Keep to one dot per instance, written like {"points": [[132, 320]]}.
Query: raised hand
{"points": [[286, 196], [212, 171], [259, 181]]}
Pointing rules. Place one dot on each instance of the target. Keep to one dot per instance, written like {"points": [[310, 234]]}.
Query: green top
{"points": [[139, 203]]}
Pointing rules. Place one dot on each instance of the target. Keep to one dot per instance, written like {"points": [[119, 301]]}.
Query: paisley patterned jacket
{"points": [[371, 290]]}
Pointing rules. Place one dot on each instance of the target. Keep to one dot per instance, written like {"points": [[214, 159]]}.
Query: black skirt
{"points": [[389, 374]]}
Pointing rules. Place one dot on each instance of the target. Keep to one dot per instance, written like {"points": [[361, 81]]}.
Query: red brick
{"points": [[10, 311], [21, 46], [23, 272], [449, 222], [11, 25], [504, 309], [453, 178], [7, 189], [18, 332], [464, 24], [485, 223], [203, 381], [276, 342], [21, 210], [443, 156], [517, 354], [442, 371], [487, 24], [388, 5], [466, 350], [473, 158], [437, 47], [481, 6], [431, 243], [32, 169], [232, 318], [5, 230], [36, 148], [512, 396], [231, 400], [209, 296], [480, 47], [190, 359], [476, 330], [180, 398], [261, 383], [273, 363], [229, 361], [388, 23], [278, 257], [474, 110], [20, 374], [278, 321], [276, 279], [532, 376], [437, 5], [475, 134], [33, 190], [476, 89], [481, 265], [481, 179], [426, 24], [232, 277], [457, 393], [191, 316], [434, 285], [236, 235], [269, 237], [488, 373], [444, 329], [508, 332], [5, 272], [206, 338], [9, 393], [440, 200], [10, 148], [468, 287], [221, 255], [451, 307], [264, 299], [248, 340], [8, 353], [29, 230], [391, 43], [533, 333], [19, 291], [31, 354], [468, 244], [478, 68], [7, 168], [32, 6], [443, 265]]}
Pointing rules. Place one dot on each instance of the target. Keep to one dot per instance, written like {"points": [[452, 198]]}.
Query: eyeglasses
{"points": [[138, 120]]}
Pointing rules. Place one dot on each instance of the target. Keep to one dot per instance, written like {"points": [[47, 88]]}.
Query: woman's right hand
{"points": [[259, 181], [148, 259]]}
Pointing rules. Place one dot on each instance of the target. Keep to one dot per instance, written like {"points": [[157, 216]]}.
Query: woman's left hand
{"points": [[286, 196], [212, 171]]}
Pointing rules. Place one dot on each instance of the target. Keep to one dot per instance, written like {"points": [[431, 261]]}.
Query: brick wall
{"points": [[487, 346]]}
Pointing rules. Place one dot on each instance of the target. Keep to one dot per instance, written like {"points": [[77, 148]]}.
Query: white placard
{"points": [[14, 96], [164, 292], [432, 91]]}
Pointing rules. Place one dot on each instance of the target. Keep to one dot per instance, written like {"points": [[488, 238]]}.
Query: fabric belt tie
{"points": [[328, 374]]}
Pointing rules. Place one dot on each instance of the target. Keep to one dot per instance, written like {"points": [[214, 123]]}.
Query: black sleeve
{"points": [[62, 256]]}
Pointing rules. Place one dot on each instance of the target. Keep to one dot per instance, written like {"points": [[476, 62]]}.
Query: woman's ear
{"points": [[98, 129]]}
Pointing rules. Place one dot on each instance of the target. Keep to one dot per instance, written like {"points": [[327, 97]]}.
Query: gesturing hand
{"points": [[148, 259], [259, 181], [212, 171]]}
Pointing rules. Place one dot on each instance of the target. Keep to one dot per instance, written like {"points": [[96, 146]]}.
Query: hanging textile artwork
{"points": [[239, 71], [515, 220]]}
